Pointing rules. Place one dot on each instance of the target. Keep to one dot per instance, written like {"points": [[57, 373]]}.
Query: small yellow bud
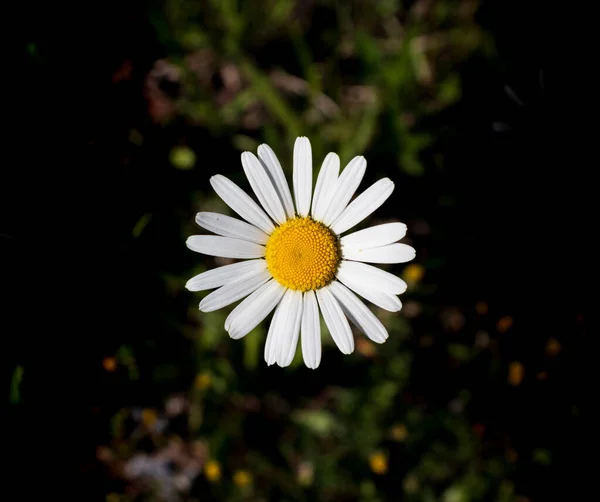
{"points": [[109, 364], [149, 417], [413, 273], [378, 462], [516, 372], [212, 471]]}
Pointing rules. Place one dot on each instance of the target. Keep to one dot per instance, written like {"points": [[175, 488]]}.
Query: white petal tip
{"points": [[380, 339], [188, 242], [233, 333], [204, 308]]}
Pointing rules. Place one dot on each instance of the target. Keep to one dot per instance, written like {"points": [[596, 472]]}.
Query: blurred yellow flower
{"points": [[378, 462], [553, 347], [203, 380], [399, 432], [149, 417], [413, 273], [109, 364], [504, 324], [212, 471], [516, 372], [242, 478]]}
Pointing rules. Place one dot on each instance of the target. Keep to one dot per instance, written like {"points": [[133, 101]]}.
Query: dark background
{"points": [[509, 220]]}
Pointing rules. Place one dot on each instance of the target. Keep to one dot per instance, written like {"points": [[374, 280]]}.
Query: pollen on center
{"points": [[303, 254]]}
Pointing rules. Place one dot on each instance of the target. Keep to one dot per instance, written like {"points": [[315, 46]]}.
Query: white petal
{"points": [[289, 343], [252, 310], [234, 291], [335, 320], [302, 175], [374, 237], [326, 181], [372, 277], [345, 187], [218, 276], [275, 172], [392, 253], [358, 313], [311, 331], [213, 245], [363, 205], [386, 301], [272, 343], [241, 203], [282, 338], [231, 227], [262, 186]]}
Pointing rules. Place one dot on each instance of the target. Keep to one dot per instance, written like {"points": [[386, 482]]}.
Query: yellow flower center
{"points": [[303, 254]]}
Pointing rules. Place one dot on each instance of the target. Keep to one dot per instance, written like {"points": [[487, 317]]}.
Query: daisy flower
{"points": [[296, 260]]}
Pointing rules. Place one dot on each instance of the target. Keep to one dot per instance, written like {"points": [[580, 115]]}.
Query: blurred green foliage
{"points": [[343, 74]]}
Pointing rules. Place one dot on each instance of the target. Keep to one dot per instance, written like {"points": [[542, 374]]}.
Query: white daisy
{"points": [[296, 259]]}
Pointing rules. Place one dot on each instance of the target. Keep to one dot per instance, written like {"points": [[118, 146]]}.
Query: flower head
{"points": [[296, 260]]}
